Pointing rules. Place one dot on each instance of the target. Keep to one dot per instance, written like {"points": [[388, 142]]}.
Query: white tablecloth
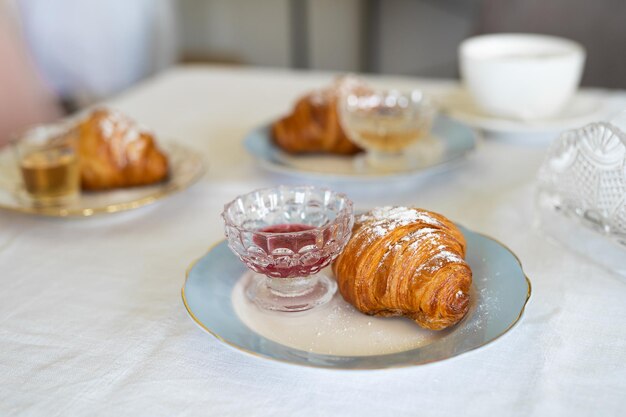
{"points": [[92, 323]]}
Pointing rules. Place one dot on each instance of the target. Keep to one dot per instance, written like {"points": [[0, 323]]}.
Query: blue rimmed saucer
{"points": [[449, 143], [337, 336]]}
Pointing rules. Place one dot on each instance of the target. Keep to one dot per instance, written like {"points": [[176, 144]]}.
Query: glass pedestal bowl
{"points": [[386, 124], [287, 235]]}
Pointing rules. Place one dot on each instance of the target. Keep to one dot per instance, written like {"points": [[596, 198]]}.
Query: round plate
{"points": [[185, 168], [213, 300], [449, 142], [586, 106]]}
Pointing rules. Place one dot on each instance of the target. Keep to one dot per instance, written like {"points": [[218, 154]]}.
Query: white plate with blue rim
{"points": [[449, 143], [338, 336]]}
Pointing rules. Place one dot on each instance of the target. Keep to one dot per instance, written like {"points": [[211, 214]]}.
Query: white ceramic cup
{"points": [[521, 76]]}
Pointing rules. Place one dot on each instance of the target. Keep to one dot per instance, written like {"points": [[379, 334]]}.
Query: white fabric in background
{"points": [[92, 323], [89, 50]]}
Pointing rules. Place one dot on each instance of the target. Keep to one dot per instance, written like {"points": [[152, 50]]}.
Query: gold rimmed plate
{"points": [[186, 167], [338, 336]]}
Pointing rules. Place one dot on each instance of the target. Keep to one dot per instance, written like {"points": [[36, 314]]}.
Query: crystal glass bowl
{"points": [[287, 235], [385, 123], [581, 193]]}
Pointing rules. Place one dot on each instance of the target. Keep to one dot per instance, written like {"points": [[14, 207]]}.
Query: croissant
{"points": [[115, 153], [406, 262], [313, 126]]}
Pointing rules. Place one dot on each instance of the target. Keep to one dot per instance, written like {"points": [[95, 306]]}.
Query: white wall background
{"points": [[334, 32], [414, 37], [252, 32], [421, 37]]}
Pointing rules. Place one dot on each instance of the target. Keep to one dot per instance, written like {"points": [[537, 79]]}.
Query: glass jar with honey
{"points": [[48, 162]]}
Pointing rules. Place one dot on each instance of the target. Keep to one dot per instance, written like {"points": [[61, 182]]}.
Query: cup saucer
{"points": [[586, 106]]}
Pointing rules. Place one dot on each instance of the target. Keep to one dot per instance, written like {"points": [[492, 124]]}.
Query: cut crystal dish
{"points": [[287, 235], [581, 197]]}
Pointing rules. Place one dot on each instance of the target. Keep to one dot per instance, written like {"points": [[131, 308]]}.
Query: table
{"points": [[92, 321]]}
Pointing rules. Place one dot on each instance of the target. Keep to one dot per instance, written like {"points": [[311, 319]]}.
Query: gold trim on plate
{"points": [[169, 187], [405, 365]]}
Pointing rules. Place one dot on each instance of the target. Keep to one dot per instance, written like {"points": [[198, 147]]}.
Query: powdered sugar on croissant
{"points": [[409, 262], [115, 152]]}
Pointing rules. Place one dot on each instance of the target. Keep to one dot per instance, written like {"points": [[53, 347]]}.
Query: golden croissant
{"points": [[406, 262], [114, 152], [313, 126]]}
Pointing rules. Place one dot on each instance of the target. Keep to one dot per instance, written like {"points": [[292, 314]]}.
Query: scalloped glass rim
{"points": [[346, 211]]}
